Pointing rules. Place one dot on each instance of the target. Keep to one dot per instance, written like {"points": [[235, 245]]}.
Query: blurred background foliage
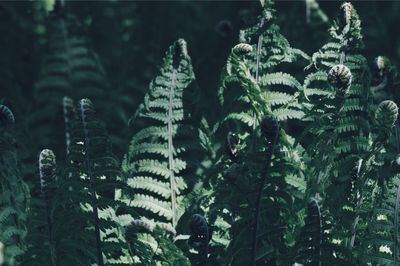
{"points": [[130, 37]]}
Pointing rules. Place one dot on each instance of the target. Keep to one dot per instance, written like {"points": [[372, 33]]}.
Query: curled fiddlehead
{"points": [[47, 171], [47, 174], [340, 78], [6, 116], [242, 49], [386, 115]]}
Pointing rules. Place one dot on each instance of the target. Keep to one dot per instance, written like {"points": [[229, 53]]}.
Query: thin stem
{"points": [[258, 203], [171, 149], [92, 190], [258, 58]]}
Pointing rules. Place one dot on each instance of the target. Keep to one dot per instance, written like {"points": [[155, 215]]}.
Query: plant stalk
{"points": [[258, 203]]}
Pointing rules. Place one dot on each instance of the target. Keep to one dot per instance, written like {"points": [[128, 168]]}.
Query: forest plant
{"points": [[346, 146], [14, 194], [380, 245], [152, 245], [69, 116], [69, 68], [251, 90], [154, 165], [47, 173], [94, 170], [270, 131], [312, 237], [273, 195]]}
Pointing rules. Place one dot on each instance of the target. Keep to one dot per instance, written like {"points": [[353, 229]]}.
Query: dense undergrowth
{"points": [[301, 167]]}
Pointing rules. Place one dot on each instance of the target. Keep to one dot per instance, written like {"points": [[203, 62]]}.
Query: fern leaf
{"points": [[154, 162]]}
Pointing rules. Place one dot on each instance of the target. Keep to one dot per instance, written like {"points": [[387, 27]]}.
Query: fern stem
{"points": [[396, 131], [171, 149], [359, 202], [321, 233], [258, 203], [68, 110], [92, 187], [258, 58]]}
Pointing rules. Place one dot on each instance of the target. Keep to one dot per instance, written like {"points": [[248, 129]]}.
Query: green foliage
{"points": [[94, 171], [76, 208], [69, 68], [311, 240], [155, 166], [381, 243], [47, 174], [297, 166], [14, 193], [152, 245], [250, 90]]}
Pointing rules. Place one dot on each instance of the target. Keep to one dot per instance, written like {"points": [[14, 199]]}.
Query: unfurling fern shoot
{"points": [[242, 49], [47, 174], [340, 78], [6, 116], [386, 116]]}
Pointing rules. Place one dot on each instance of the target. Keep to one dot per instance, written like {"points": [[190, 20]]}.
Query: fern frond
{"points": [[280, 78], [309, 248], [69, 116], [155, 162], [94, 170], [381, 243], [47, 169], [14, 193]]}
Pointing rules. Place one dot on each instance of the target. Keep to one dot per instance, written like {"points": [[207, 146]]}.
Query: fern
{"points": [[314, 236], [154, 165], [47, 169], [69, 68], [251, 89], [271, 51], [381, 243], [94, 171], [270, 130], [315, 244], [14, 194], [347, 146], [69, 116], [151, 244]]}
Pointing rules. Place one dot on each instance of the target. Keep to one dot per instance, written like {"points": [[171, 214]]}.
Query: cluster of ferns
{"points": [[301, 169]]}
